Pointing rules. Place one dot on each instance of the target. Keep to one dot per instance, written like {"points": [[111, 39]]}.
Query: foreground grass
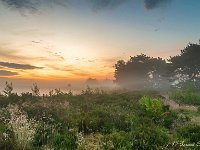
{"points": [[94, 119]]}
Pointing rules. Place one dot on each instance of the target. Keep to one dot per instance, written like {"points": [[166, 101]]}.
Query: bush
{"points": [[142, 138], [198, 109], [44, 133], [186, 96], [152, 107], [190, 132], [169, 119], [117, 140], [26, 96], [6, 138], [149, 138], [55, 135], [22, 127], [64, 140]]}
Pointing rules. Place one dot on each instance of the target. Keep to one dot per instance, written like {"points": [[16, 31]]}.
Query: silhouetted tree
{"points": [[140, 71], [8, 89], [35, 90], [185, 68], [157, 74]]}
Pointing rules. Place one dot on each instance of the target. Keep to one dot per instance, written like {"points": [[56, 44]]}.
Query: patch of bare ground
{"points": [[190, 110], [176, 106]]}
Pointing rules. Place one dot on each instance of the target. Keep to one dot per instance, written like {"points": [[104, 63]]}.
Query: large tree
{"points": [[140, 71], [185, 68]]}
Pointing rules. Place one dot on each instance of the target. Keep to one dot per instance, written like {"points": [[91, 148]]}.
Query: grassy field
{"points": [[96, 120]]}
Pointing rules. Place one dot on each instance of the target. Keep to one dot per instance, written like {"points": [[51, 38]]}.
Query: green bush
{"points": [[54, 135], [64, 140], [12, 99], [43, 134], [152, 107], [6, 138], [198, 109], [149, 138], [190, 132], [117, 140], [142, 138], [186, 96], [169, 119], [104, 121]]}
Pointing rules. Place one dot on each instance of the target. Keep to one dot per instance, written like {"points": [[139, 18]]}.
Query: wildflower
{"points": [[5, 135], [23, 128]]}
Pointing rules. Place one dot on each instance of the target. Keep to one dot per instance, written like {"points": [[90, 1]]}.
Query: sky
{"points": [[72, 40]]}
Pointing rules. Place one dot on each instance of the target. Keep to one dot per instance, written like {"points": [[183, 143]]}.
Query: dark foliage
{"points": [[186, 67], [141, 72]]}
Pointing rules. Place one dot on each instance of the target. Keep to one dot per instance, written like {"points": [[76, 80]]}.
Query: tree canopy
{"points": [[185, 68], [140, 71], [143, 71]]}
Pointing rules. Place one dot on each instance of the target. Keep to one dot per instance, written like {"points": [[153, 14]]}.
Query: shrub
{"points": [[117, 140], [169, 119], [190, 132], [152, 107], [198, 109], [4, 102], [35, 90], [149, 138], [187, 96], [8, 89], [142, 138], [6, 138], [22, 127], [44, 132], [96, 121], [26, 96], [64, 140], [181, 120], [53, 134]]}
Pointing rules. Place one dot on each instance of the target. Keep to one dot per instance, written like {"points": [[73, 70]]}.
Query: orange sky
{"points": [[77, 42]]}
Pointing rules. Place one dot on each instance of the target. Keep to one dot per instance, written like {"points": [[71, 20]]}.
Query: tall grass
{"points": [[23, 128]]}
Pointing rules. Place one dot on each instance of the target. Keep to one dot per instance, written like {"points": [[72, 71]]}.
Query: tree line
{"points": [[143, 71]]}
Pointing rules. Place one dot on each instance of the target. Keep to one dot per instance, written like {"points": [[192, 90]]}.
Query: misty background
{"points": [[64, 43]]}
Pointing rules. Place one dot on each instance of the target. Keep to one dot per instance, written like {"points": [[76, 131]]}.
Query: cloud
{"points": [[36, 42], [56, 55], [67, 68], [21, 4], [151, 4], [18, 66], [6, 53], [148, 4], [35, 5], [32, 5], [102, 4], [7, 73], [76, 73], [70, 69]]}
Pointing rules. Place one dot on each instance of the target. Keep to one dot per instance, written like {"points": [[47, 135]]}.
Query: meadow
{"points": [[95, 120]]}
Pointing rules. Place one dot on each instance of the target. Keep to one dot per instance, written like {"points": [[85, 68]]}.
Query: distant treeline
{"points": [[143, 71]]}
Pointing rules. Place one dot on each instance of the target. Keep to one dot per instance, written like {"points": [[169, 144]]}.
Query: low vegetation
{"points": [[92, 120], [186, 96]]}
